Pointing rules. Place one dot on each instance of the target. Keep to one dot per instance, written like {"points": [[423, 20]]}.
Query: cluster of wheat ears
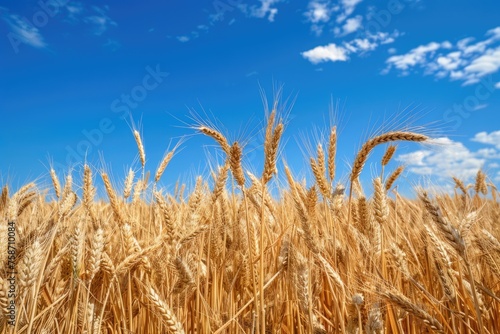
{"points": [[238, 260]]}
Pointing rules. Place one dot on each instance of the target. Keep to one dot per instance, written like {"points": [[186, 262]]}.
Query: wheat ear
{"points": [[270, 153], [459, 184], [140, 146], [393, 177], [55, 182], [480, 186], [173, 325], [163, 165], [112, 197], [332, 151], [407, 305], [380, 205], [129, 182], [219, 138], [452, 235], [235, 156], [368, 146]]}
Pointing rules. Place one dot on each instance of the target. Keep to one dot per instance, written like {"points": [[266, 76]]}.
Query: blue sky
{"points": [[76, 77]]}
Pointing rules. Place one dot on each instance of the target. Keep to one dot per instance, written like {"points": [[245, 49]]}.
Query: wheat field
{"points": [[230, 257]]}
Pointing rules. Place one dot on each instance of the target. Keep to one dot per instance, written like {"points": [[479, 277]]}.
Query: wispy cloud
{"points": [[321, 12], [347, 8], [100, 21], [251, 74], [452, 158], [333, 52], [318, 13], [418, 55], [112, 44], [266, 9], [351, 25], [183, 39], [22, 31], [75, 9], [466, 61]]}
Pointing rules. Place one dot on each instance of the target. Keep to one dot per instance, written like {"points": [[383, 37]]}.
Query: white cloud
{"points": [[351, 25], [24, 32], [497, 85], [348, 7], [416, 56], [452, 158], [488, 63], [266, 9], [330, 52], [492, 138], [415, 158], [465, 61], [488, 153], [451, 61], [334, 52], [448, 158], [318, 12]]}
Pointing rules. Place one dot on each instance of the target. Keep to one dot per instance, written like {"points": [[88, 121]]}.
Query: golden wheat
{"points": [[226, 259]]}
